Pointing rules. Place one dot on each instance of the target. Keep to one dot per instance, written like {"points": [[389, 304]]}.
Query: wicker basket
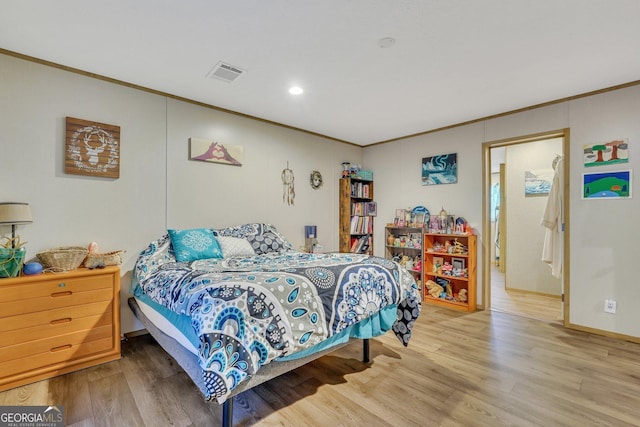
{"points": [[94, 260], [64, 258]]}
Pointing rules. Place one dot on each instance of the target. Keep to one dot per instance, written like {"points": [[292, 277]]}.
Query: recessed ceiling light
{"points": [[295, 90]]}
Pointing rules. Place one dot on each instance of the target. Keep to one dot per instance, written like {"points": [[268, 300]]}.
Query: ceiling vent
{"points": [[225, 72]]}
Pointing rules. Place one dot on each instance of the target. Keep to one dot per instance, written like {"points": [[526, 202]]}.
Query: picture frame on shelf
{"points": [[399, 218], [458, 263], [419, 219], [437, 261], [451, 223]]}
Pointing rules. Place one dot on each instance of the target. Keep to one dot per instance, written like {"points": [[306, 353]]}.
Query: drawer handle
{"points": [[61, 294], [59, 321], [60, 348]]}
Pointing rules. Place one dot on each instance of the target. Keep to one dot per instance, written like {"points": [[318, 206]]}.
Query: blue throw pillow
{"points": [[193, 244]]}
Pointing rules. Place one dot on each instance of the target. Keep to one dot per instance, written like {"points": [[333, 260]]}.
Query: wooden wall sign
{"points": [[92, 149]]}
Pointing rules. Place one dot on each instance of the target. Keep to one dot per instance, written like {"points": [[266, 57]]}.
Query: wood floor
{"points": [[461, 369], [535, 306]]}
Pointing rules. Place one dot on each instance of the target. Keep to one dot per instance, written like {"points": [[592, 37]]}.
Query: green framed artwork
{"points": [[607, 185], [606, 153]]}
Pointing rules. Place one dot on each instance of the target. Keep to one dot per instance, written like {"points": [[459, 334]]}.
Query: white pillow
{"points": [[235, 247]]}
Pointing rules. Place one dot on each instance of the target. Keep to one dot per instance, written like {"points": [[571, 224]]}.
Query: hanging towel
{"points": [[553, 222]]}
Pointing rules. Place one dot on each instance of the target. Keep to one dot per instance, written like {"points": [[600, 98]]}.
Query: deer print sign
{"points": [[92, 149]]}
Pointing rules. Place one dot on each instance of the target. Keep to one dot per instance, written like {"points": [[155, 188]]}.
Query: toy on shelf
{"points": [[433, 288], [458, 248], [462, 295], [437, 247], [417, 264], [447, 269]]}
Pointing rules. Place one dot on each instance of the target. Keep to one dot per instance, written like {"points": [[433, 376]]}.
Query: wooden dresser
{"points": [[55, 323]]}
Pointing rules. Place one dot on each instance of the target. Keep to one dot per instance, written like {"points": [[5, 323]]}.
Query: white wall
{"points": [[158, 186], [603, 233], [397, 170], [524, 234], [157, 181], [221, 195], [71, 210]]}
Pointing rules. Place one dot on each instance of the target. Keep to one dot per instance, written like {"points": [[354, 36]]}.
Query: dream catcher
{"points": [[288, 192]]}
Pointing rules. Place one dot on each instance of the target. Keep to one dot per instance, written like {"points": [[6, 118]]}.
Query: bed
{"points": [[237, 306]]}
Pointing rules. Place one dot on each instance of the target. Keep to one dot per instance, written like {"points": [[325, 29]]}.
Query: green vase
{"points": [[11, 261]]}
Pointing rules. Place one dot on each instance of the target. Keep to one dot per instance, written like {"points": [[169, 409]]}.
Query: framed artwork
{"points": [[206, 150], [399, 218], [607, 185], [442, 169], [315, 180], [458, 263], [537, 182], [606, 153], [92, 149], [438, 261]]}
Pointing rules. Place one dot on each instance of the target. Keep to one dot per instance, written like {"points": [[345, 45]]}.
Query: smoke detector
{"points": [[225, 72]]}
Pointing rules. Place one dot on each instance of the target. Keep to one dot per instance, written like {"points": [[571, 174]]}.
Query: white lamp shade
{"points": [[15, 213]]}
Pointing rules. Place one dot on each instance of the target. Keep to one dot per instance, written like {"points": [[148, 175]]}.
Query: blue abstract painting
{"points": [[442, 169]]}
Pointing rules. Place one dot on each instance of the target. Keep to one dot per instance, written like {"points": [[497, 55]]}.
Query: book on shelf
{"points": [[361, 225], [364, 208], [360, 245], [361, 190]]}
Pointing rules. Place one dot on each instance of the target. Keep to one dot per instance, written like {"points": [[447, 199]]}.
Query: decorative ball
{"points": [[32, 268]]}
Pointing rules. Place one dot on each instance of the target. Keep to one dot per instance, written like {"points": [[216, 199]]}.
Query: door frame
{"points": [[486, 216]]}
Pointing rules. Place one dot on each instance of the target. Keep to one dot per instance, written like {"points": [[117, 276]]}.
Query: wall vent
{"points": [[225, 72]]}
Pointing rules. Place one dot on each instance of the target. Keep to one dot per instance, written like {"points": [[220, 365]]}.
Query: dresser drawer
{"points": [[53, 294], [54, 316], [24, 353], [66, 323], [53, 286]]}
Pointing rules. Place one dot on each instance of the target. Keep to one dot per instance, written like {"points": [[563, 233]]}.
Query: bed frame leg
{"points": [[365, 350], [227, 412]]}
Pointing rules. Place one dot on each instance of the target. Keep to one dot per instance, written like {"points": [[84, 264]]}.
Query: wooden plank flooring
{"points": [[461, 369], [513, 301]]}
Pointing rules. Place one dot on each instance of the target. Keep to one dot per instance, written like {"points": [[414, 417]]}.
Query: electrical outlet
{"points": [[610, 306]]}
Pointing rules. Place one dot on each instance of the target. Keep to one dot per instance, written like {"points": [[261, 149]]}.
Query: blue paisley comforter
{"points": [[249, 311]]}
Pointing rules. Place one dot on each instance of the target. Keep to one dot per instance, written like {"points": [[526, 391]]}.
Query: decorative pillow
{"points": [[196, 243], [235, 247], [264, 238]]}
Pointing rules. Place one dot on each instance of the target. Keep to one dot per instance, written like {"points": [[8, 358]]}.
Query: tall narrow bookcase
{"points": [[357, 210]]}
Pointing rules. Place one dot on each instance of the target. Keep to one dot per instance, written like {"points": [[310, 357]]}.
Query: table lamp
{"points": [[14, 213]]}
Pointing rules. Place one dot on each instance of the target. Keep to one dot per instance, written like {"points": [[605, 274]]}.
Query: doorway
{"points": [[517, 177]]}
